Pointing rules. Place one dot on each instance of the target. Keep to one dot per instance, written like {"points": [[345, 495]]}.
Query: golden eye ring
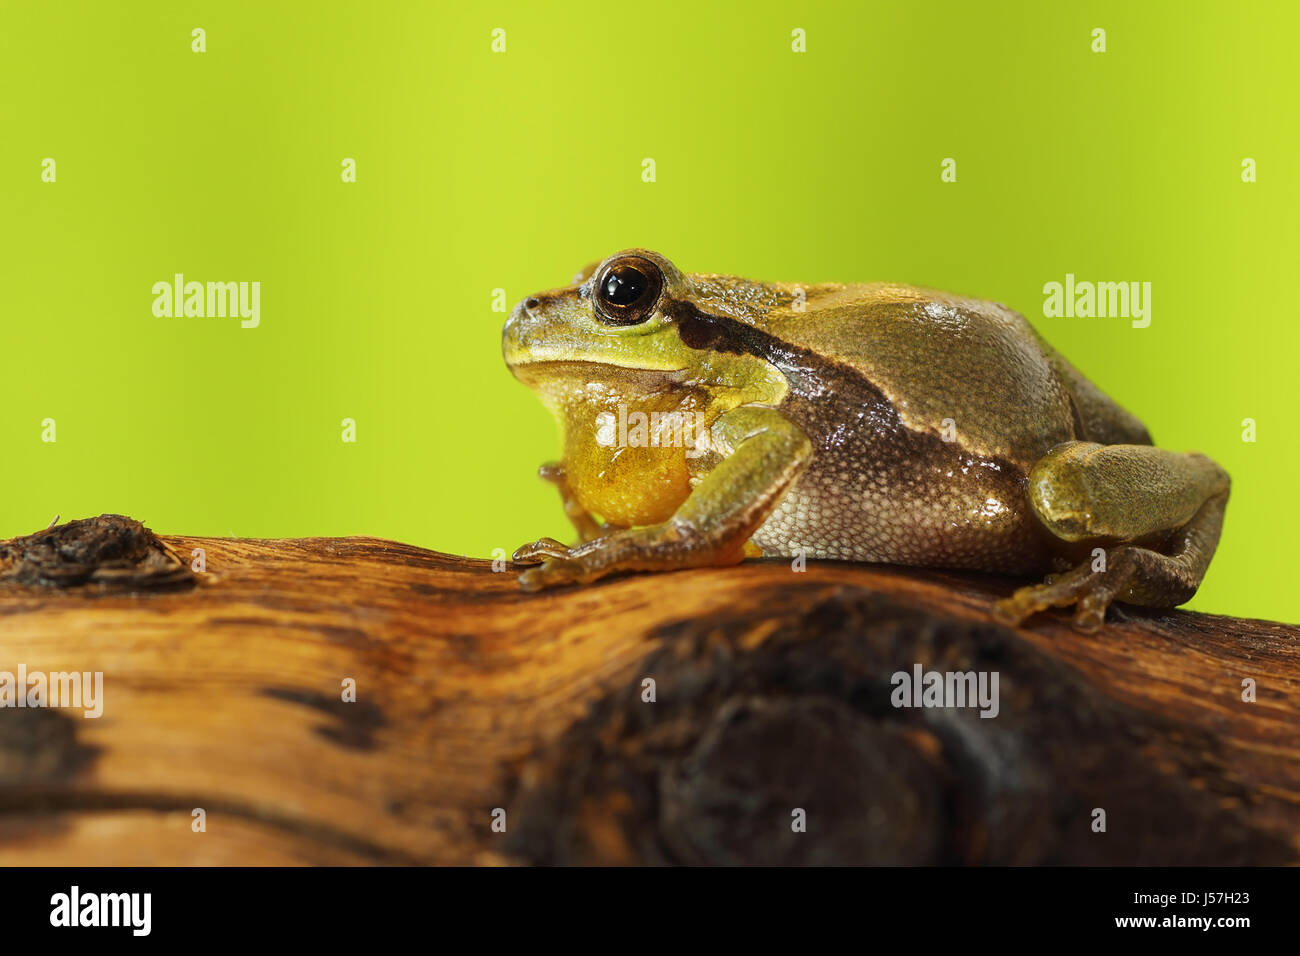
{"points": [[627, 290]]}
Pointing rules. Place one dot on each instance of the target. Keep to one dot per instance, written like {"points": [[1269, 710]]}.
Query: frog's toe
{"points": [[1089, 619], [1091, 593], [1023, 603], [553, 573], [537, 551], [1053, 592]]}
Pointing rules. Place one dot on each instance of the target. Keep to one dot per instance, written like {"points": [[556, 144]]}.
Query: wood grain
{"points": [[223, 691]]}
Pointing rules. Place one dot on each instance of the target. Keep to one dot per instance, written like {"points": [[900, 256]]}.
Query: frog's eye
{"points": [[627, 290]]}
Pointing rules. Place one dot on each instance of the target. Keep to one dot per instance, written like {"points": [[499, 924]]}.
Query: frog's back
{"points": [[979, 365], [926, 411]]}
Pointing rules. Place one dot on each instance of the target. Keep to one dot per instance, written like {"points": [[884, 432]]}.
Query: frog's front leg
{"points": [[584, 523], [1157, 513], [764, 453]]}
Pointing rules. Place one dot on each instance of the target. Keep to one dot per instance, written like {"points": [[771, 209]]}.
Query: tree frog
{"points": [[861, 422]]}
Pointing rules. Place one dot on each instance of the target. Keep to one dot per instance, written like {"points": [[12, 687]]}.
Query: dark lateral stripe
{"points": [[720, 333], [804, 368]]}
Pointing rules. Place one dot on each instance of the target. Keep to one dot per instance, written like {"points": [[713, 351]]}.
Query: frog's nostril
{"points": [[531, 303]]}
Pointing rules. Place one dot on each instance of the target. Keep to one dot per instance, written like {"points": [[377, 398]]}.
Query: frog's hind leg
{"points": [[1155, 514]]}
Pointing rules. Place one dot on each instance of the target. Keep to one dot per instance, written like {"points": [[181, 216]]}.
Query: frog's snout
{"points": [[546, 327], [522, 329], [510, 340]]}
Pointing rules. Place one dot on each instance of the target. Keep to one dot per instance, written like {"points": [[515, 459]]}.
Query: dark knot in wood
{"points": [[111, 552]]}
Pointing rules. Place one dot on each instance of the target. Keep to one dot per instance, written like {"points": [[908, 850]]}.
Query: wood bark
{"points": [[475, 703]]}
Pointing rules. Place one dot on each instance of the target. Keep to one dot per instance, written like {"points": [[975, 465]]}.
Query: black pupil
{"points": [[624, 286]]}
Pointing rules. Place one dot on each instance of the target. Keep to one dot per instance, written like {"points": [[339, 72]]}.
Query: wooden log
{"points": [[223, 691]]}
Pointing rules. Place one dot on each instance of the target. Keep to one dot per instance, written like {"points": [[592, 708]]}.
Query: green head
{"points": [[617, 314]]}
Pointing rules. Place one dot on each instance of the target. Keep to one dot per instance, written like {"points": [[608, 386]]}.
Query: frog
{"points": [[867, 422]]}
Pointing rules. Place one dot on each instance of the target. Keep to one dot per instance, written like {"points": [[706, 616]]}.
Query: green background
{"points": [[479, 170]]}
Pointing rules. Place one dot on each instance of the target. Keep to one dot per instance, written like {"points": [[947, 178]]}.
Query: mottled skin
{"points": [[874, 422]]}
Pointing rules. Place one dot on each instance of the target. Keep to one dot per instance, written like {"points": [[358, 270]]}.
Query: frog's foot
{"points": [[660, 548], [1082, 491], [1129, 573], [540, 550], [1091, 592]]}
